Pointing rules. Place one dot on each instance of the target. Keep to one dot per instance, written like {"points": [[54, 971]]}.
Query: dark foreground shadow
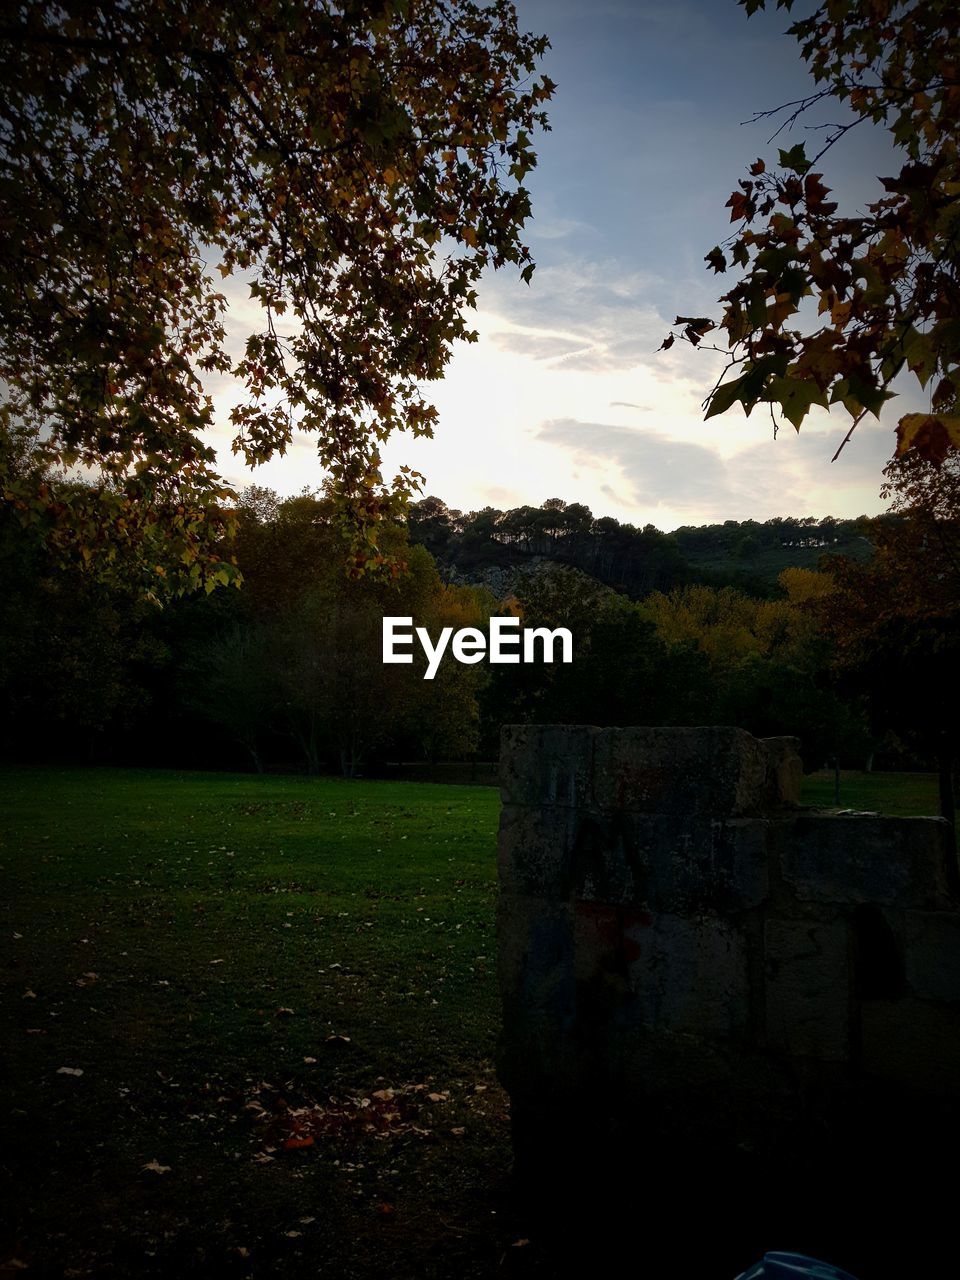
{"points": [[865, 1182]]}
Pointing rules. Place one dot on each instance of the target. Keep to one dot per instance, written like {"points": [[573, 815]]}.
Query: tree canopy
{"points": [[894, 620], [356, 163], [885, 280]]}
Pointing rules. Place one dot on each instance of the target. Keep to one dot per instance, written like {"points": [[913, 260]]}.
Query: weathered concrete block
{"points": [[535, 953], [546, 765], [690, 864], [858, 859], [685, 862], [718, 772], [913, 1042], [535, 850], [932, 954], [687, 974], [672, 928], [535, 969], [808, 989]]}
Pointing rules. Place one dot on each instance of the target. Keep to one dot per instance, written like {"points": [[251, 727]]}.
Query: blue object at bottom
{"points": [[793, 1266]]}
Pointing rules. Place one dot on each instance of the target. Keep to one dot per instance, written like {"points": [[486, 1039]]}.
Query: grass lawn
{"points": [[275, 1001], [900, 794], [214, 952]]}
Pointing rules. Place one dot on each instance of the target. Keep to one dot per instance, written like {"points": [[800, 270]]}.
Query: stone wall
{"points": [[679, 940]]}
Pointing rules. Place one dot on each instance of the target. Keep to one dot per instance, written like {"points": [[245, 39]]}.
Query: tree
{"points": [[885, 281], [769, 660], [895, 619], [358, 163], [621, 672], [296, 655]]}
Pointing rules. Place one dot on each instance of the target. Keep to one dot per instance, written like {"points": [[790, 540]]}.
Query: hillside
{"points": [[491, 547]]}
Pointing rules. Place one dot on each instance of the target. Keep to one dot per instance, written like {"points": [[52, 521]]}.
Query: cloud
{"points": [[652, 463], [686, 480], [549, 227], [538, 345], [591, 317]]}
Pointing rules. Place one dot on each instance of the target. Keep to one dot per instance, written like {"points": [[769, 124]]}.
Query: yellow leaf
{"points": [[840, 312]]}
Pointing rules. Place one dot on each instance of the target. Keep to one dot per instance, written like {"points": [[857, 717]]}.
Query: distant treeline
{"points": [[287, 673], [636, 560]]}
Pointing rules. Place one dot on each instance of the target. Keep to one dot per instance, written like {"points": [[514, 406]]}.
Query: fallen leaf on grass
{"points": [[87, 979], [29, 995], [337, 1040], [385, 1210], [293, 1121], [520, 1244], [284, 1012], [156, 1167], [458, 1132], [69, 1071], [294, 1144], [293, 1235]]}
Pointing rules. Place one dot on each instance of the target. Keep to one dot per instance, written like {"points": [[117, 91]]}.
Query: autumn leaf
{"points": [[145, 157], [883, 277], [154, 1166], [739, 206], [932, 435]]}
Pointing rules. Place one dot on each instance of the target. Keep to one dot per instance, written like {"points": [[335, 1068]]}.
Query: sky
{"points": [[565, 394]]}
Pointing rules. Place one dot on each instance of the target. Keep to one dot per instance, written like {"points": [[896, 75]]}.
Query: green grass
{"points": [[900, 794], [204, 904], [214, 951]]}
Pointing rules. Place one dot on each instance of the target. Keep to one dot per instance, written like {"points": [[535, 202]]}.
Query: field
{"points": [[900, 794], [250, 1025]]}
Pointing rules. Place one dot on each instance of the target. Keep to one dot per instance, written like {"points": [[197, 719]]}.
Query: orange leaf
{"points": [[294, 1144]]}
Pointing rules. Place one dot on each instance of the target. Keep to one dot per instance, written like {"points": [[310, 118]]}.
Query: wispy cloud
{"points": [[693, 482]]}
